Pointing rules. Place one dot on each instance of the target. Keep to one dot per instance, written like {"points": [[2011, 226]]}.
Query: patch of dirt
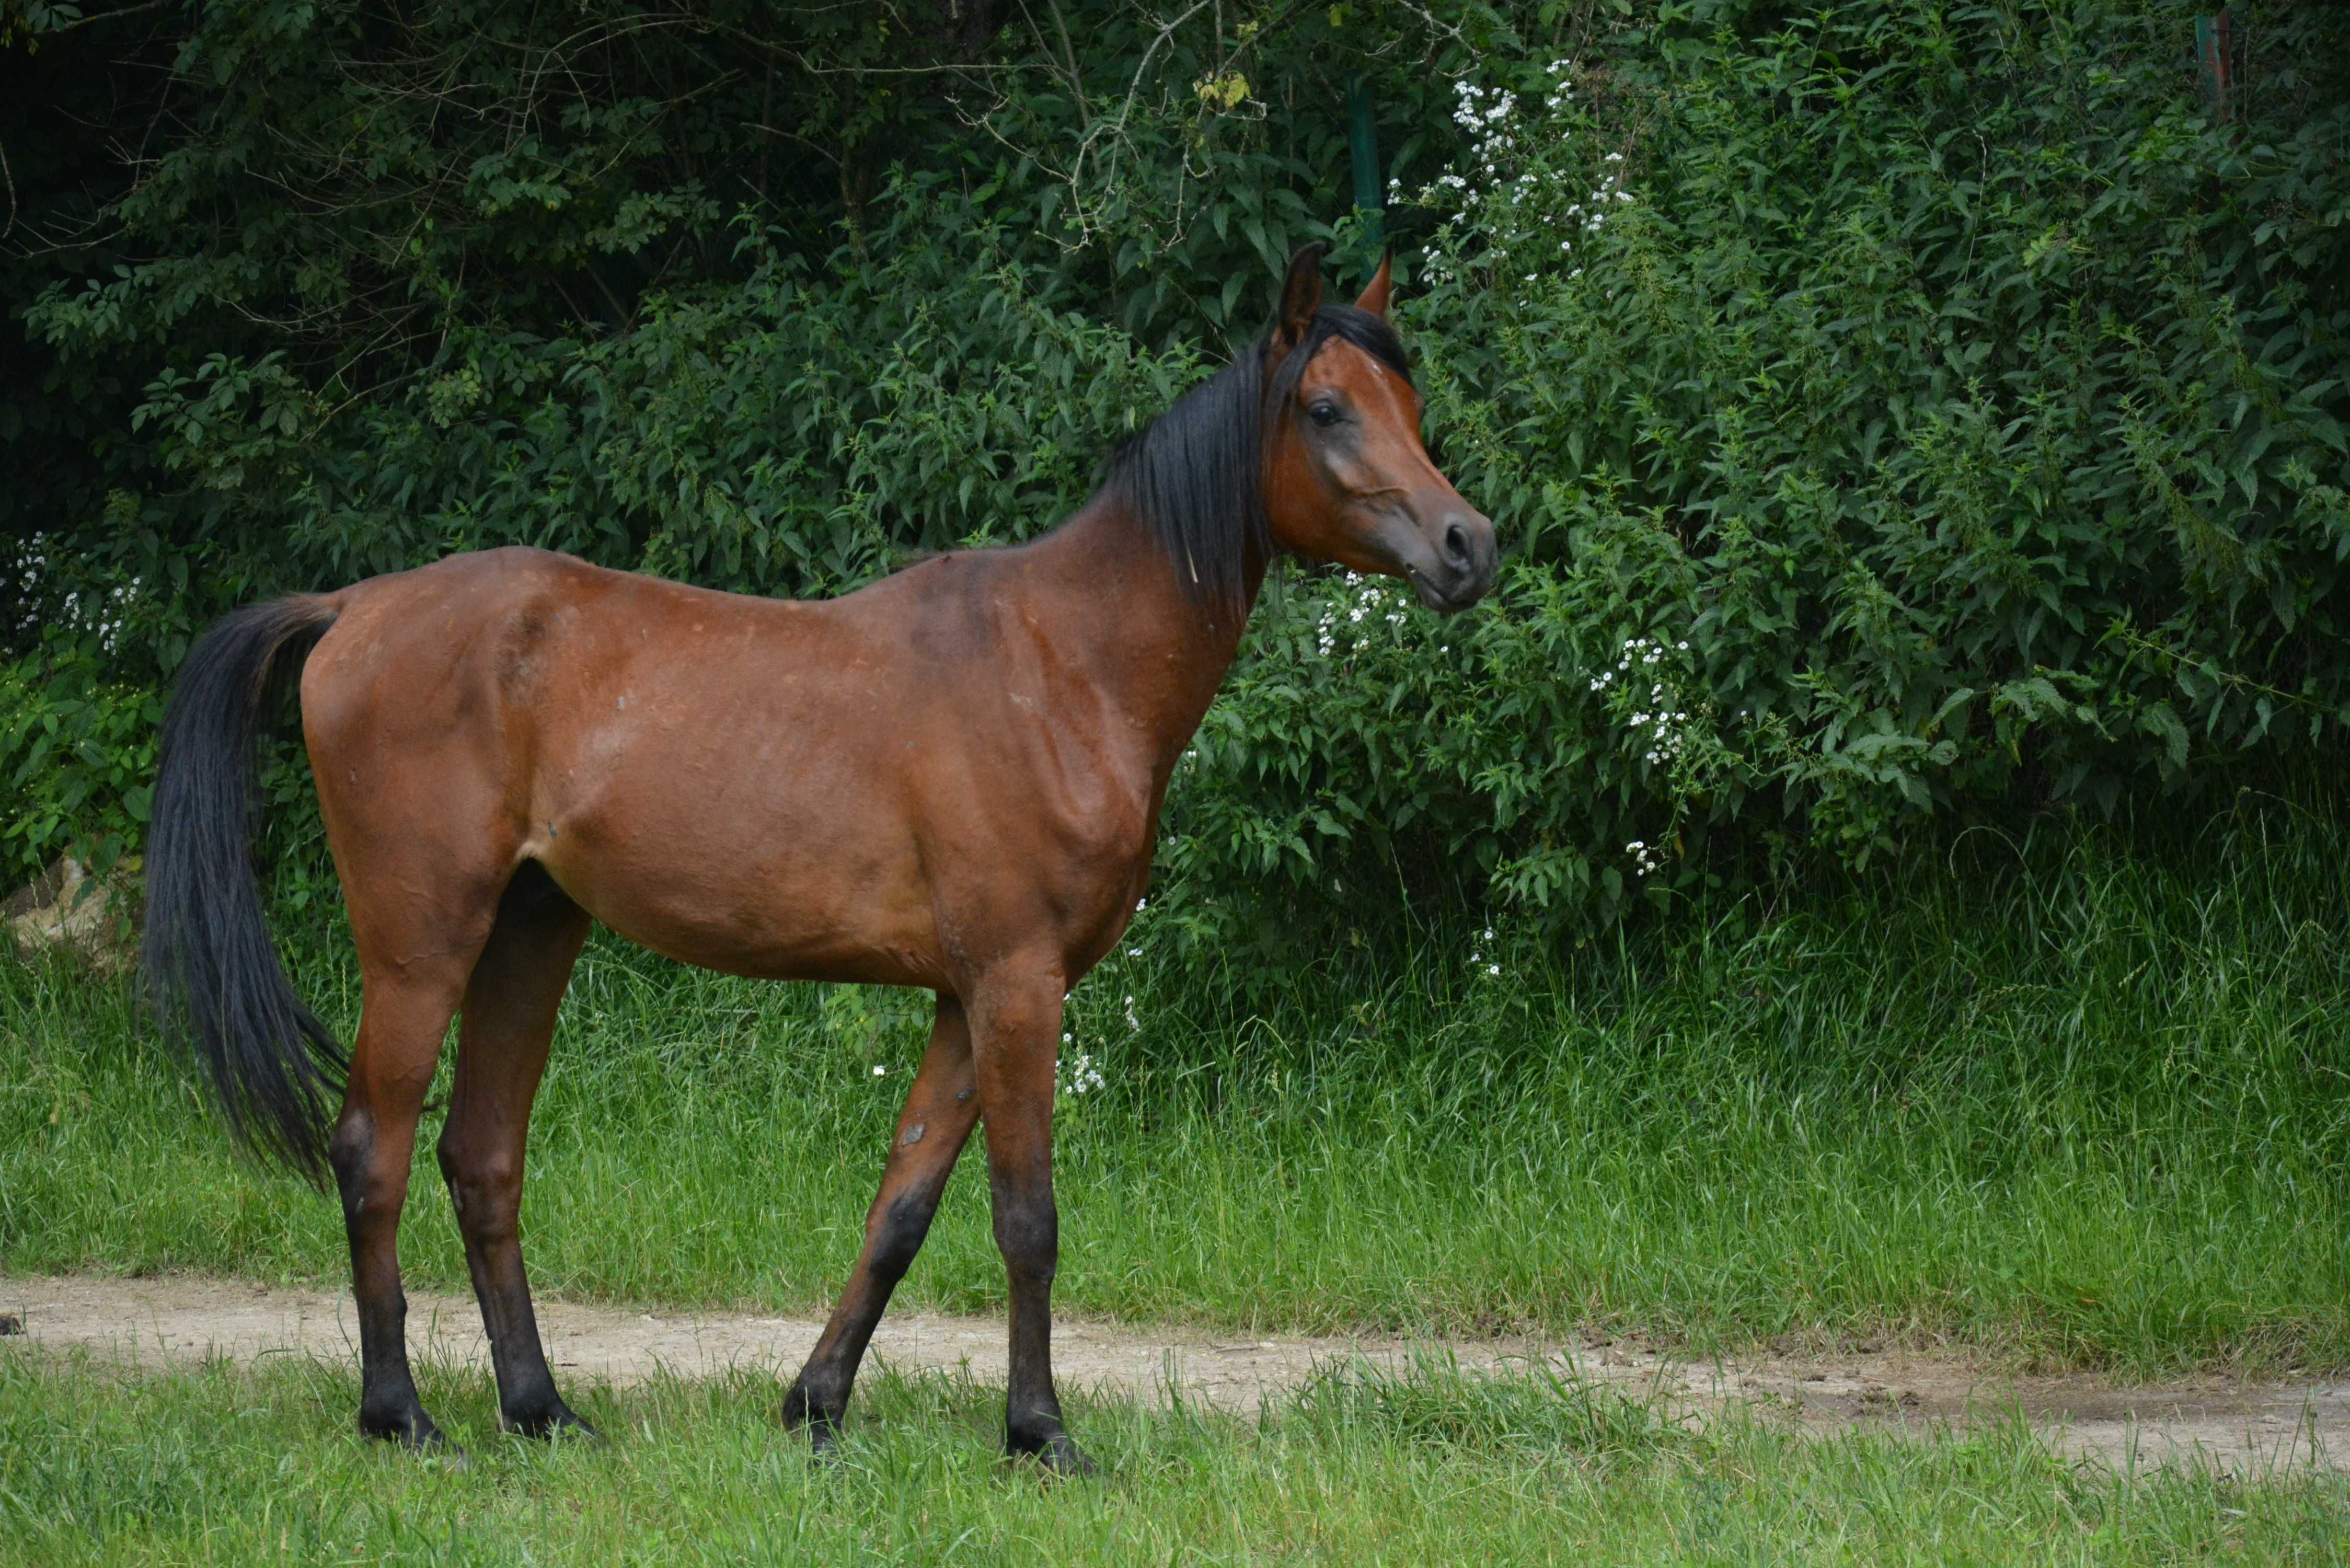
{"points": [[2239, 1426]]}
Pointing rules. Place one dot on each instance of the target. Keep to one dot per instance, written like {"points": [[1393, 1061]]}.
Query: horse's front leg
{"points": [[1015, 1015], [940, 1111]]}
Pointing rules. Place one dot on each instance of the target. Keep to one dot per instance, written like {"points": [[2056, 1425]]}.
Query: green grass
{"points": [[2077, 1102], [218, 1465]]}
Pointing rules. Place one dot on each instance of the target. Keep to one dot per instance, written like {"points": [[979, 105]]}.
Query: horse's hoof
{"points": [[802, 1414], [1058, 1456], [561, 1424], [411, 1430]]}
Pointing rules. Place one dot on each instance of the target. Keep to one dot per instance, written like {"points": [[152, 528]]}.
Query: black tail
{"points": [[215, 980]]}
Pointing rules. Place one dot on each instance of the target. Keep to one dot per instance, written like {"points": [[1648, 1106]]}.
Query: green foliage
{"points": [[80, 753], [2072, 1098], [751, 437], [1540, 1410], [222, 1464], [1895, 413]]}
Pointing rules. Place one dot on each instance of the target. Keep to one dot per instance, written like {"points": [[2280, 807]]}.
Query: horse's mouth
{"points": [[1442, 603]]}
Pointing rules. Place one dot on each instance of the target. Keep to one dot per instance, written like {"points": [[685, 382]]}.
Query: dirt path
{"points": [[2238, 1425]]}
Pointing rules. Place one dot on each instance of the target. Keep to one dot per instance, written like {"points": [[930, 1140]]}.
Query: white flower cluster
{"points": [[1494, 144], [1372, 602], [103, 614], [1646, 859], [1482, 966], [30, 566], [1658, 725], [1515, 184], [1075, 1074]]}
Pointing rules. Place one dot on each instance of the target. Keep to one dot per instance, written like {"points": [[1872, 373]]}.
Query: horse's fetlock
{"points": [[818, 1402]]}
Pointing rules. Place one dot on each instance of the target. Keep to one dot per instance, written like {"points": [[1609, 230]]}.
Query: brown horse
{"points": [[950, 779]]}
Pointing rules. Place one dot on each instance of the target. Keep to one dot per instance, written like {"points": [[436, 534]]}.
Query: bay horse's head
{"points": [[1345, 476]]}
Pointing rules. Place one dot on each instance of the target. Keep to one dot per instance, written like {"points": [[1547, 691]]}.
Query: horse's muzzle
{"points": [[1466, 557]]}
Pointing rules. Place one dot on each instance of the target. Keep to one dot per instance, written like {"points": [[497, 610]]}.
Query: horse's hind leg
{"points": [[941, 1108], [404, 1017], [502, 1044]]}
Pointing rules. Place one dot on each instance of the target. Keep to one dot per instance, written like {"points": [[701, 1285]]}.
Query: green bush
{"points": [[1894, 411], [80, 753], [1895, 414]]}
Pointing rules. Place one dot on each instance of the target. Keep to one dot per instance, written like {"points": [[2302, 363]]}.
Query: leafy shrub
{"points": [[80, 753], [1895, 413]]}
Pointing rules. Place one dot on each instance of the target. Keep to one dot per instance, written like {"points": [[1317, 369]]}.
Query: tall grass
{"points": [[219, 1466], [2073, 1097]]}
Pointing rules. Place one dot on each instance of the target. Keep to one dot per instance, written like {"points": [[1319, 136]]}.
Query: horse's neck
{"points": [[1155, 651]]}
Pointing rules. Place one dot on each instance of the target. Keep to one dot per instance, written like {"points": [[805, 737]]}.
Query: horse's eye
{"points": [[1324, 414]]}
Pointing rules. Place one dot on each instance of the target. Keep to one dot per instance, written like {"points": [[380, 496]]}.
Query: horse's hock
{"points": [[66, 908]]}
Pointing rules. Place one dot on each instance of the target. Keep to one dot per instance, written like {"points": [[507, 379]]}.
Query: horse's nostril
{"points": [[1456, 547]]}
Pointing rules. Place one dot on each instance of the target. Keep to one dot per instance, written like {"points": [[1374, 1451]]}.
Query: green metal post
{"points": [[1363, 143], [2211, 52]]}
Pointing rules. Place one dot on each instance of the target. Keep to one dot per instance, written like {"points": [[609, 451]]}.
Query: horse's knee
{"points": [[904, 1225], [1028, 1235]]}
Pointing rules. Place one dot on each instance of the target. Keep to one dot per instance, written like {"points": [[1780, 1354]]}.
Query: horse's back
{"points": [[767, 786], [722, 778]]}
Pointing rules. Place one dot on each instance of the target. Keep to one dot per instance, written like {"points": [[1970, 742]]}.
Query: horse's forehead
{"points": [[1357, 369]]}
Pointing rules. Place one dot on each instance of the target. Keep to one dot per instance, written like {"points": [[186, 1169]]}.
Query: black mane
{"points": [[1196, 474]]}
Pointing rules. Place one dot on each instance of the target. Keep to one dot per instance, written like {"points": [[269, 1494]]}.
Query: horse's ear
{"points": [[1375, 293], [1301, 297]]}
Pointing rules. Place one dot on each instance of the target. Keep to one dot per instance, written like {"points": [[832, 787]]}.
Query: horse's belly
{"points": [[776, 900]]}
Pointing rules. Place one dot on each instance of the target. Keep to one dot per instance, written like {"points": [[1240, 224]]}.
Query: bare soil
{"points": [[2239, 1426]]}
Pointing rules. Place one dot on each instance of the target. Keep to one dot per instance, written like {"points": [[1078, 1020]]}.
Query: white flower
{"points": [[1078, 1074], [879, 1070]]}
